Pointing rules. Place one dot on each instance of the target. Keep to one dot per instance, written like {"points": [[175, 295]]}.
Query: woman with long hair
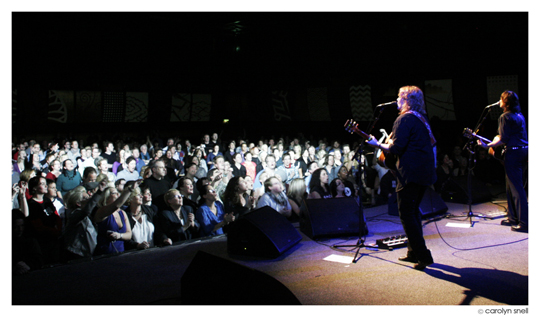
{"points": [[211, 214], [318, 185], [337, 188], [236, 199], [112, 222], [21, 164], [275, 197], [141, 219], [296, 195]]}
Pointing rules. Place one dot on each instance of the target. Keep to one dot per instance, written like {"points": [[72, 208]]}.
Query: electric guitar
{"points": [[388, 160], [497, 153]]}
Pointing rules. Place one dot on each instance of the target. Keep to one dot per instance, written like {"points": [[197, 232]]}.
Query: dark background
{"points": [[226, 54]]}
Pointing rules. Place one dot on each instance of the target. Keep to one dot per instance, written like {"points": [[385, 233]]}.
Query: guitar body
{"points": [[388, 160]]}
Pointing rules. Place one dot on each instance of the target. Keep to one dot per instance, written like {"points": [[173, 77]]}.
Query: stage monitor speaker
{"points": [[432, 204], [211, 280], [262, 232], [332, 217], [455, 190]]}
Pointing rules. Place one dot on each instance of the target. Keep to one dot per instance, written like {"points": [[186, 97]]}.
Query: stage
{"points": [[486, 264]]}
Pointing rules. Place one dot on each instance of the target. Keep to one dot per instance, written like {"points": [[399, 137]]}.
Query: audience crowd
{"points": [[73, 201]]}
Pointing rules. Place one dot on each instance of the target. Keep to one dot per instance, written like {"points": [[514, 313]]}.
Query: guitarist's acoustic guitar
{"points": [[386, 160]]}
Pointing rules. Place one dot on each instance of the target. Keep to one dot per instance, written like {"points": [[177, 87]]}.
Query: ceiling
{"points": [[202, 49]]}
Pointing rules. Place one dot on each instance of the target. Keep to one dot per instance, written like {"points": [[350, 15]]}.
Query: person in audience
{"points": [[80, 234], [45, 223], [236, 200], [331, 167], [139, 162], [318, 185], [297, 195], [85, 160], [145, 155], [18, 197], [186, 188], [158, 185], [69, 179], [275, 197], [141, 219], [109, 154], [337, 188], [238, 170], [291, 171], [120, 163], [230, 151], [74, 152], [147, 197], [250, 165], [89, 176], [103, 168], [58, 203], [112, 222], [351, 189], [211, 213], [311, 167], [55, 170], [130, 172], [21, 163], [177, 222], [26, 254]]}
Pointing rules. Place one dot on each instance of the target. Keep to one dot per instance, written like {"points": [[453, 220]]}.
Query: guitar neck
{"points": [[482, 138]]}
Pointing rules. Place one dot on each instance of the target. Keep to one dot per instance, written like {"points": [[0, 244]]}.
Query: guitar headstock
{"points": [[351, 126], [468, 133]]}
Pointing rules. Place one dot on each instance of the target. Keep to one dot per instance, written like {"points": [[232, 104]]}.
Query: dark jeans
{"points": [[515, 163], [408, 199]]}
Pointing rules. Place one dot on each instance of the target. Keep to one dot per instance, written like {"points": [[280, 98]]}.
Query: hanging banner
{"points": [[317, 102], [360, 99], [439, 99], [136, 107]]}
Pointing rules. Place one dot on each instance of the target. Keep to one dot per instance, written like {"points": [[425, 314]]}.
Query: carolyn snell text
{"points": [[503, 311]]}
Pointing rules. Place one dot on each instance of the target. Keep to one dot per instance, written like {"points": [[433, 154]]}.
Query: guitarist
{"points": [[513, 134], [413, 143]]}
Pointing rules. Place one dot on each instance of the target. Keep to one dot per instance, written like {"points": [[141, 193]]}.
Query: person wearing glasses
{"points": [[177, 222], [211, 214]]}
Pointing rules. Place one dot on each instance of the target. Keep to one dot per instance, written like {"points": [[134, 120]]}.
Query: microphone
{"points": [[386, 104], [494, 104]]}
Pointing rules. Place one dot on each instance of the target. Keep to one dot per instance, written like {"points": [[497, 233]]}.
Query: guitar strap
{"points": [[426, 124]]}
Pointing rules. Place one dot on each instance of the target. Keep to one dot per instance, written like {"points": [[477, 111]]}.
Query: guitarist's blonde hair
{"points": [[414, 98]]}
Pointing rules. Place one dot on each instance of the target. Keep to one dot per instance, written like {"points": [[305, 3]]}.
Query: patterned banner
{"points": [[113, 106], [360, 99], [136, 106], [317, 102], [495, 87], [88, 107], [280, 106], [191, 107], [439, 99], [60, 105]]}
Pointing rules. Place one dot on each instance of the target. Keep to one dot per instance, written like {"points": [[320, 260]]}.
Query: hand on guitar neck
{"points": [[487, 144]]}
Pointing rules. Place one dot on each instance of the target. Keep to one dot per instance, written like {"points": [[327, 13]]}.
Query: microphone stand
{"points": [[362, 230], [470, 146]]}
